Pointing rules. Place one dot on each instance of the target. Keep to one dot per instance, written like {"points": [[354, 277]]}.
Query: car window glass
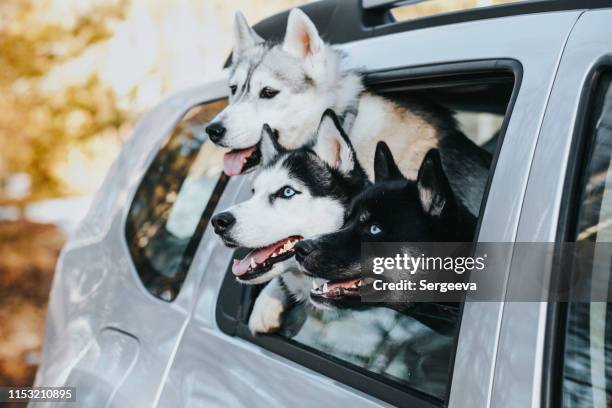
{"points": [[587, 363], [171, 207]]}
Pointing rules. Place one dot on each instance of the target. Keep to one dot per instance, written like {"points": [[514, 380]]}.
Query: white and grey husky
{"points": [[289, 85], [299, 193]]}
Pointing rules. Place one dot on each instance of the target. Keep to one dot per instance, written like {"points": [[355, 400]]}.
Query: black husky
{"points": [[394, 209]]}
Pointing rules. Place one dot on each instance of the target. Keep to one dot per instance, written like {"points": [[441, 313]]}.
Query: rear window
{"points": [[174, 202]]}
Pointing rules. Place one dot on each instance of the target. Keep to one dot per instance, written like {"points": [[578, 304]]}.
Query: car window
{"points": [[404, 348], [173, 203], [587, 362], [408, 351]]}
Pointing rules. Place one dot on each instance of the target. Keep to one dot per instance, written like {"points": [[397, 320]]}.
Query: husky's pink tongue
{"points": [[233, 161], [240, 267]]}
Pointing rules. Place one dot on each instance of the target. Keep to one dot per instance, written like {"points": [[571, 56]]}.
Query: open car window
{"points": [[391, 355]]}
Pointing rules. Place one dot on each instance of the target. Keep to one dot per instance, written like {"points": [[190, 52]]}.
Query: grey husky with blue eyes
{"points": [[290, 84]]}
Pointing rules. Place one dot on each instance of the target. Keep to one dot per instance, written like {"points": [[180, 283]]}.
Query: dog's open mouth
{"points": [[239, 161], [338, 289], [261, 260]]}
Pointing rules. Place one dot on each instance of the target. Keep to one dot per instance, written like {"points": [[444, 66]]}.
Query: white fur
{"points": [[268, 308], [296, 111], [267, 147], [245, 37], [264, 219], [331, 147], [302, 39], [260, 222], [266, 316]]}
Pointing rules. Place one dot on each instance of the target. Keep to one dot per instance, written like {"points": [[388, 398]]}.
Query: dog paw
{"points": [[266, 315]]}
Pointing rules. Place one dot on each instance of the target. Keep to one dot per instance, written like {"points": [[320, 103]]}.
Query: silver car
{"points": [[143, 311]]}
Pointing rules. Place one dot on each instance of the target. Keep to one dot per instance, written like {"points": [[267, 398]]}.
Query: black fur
{"points": [[396, 206], [321, 179], [465, 163]]}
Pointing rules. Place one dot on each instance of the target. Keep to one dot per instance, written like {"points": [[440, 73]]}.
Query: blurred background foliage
{"points": [[39, 128]]}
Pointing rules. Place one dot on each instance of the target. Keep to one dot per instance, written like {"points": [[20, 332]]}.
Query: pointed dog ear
{"points": [[385, 168], [435, 193], [332, 145], [244, 36], [269, 146], [302, 38]]}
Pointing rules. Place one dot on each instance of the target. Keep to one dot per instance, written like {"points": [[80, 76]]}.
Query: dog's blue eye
{"points": [[268, 93], [375, 229], [285, 192], [233, 89], [288, 192]]}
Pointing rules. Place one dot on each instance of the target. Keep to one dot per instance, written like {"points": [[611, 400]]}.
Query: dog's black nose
{"points": [[215, 131], [303, 249], [223, 222]]}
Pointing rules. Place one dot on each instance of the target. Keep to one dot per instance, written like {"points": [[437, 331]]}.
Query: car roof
{"points": [[342, 21]]}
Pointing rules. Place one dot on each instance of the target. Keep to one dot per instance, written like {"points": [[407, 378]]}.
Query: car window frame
{"points": [[231, 315]]}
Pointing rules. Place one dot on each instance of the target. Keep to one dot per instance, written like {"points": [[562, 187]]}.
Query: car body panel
{"points": [[477, 347], [96, 286], [518, 380], [100, 375]]}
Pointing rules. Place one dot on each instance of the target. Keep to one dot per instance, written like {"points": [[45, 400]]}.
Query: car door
{"points": [[217, 366], [528, 367], [122, 291]]}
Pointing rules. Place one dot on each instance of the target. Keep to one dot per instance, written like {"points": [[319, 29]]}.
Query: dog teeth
{"points": [[325, 287], [253, 263], [290, 244], [273, 255], [314, 284]]}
